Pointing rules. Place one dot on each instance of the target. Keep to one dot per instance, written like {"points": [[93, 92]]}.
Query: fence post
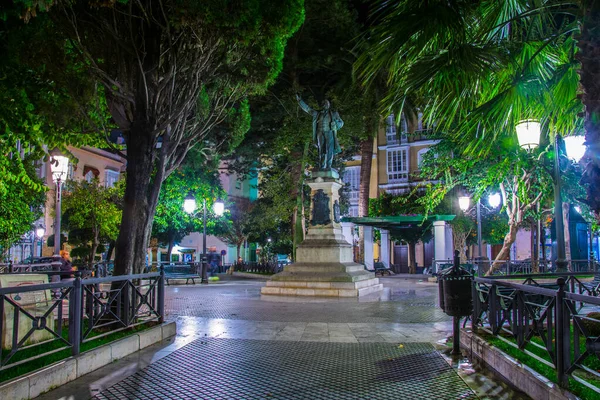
{"points": [[475, 315], [10, 267], [455, 319], [161, 295], [562, 335], [76, 307]]}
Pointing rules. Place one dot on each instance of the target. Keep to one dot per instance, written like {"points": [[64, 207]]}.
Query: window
{"points": [[420, 155], [397, 165], [110, 177], [390, 130], [352, 178], [71, 171], [89, 176]]}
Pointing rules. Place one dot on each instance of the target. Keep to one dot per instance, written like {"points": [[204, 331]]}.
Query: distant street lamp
{"points": [[39, 233], [528, 134], [189, 206], [464, 202], [494, 200], [59, 167]]}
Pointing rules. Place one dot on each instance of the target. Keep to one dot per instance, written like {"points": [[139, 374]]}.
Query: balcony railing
{"points": [[420, 135]]}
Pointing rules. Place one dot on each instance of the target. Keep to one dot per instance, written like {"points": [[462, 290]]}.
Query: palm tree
{"points": [[478, 68]]}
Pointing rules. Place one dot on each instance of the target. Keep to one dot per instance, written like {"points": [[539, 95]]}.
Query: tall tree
{"points": [[175, 75]]}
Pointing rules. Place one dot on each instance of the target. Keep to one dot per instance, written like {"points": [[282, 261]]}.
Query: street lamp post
{"points": [[39, 232], [59, 167], [189, 205], [528, 134]]}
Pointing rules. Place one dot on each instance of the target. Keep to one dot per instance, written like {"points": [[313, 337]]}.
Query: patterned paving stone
{"points": [[253, 369], [223, 302]]}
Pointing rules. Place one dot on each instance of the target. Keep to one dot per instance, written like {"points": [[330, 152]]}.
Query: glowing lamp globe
{"points": [[219, 208], [189, 204], [39, 232], [575, 147], [528, 134], [59, 166], [494, 200], [463, 202]]}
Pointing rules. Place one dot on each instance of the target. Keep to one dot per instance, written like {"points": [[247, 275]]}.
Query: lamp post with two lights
{"points": [[528, 135], [190, 205]]}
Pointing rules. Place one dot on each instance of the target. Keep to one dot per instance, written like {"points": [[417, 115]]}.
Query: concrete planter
{"points": [[512, 371], [67, 370]]}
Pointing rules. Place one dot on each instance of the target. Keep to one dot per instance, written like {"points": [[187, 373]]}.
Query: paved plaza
{"points": [[233, 343]]}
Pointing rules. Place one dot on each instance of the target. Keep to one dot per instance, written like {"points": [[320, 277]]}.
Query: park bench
{"points": [[381, 268], [187, 272]]}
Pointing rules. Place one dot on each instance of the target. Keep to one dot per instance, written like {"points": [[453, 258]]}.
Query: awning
{"points": [[398, 222]]}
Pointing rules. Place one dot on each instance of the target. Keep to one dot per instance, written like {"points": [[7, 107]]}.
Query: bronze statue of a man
{"points": [[326, 123]]}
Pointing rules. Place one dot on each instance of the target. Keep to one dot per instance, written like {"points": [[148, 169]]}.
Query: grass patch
{"points": [[543, 369], [56, 344]]}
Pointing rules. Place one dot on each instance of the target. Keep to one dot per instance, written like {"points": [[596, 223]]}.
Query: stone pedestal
{"points": [[324, 261]]}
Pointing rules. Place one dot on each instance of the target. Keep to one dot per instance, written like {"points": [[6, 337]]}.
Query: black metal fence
{"points": [[555, 322], [261, 268], [524, 267], [38, 319]]}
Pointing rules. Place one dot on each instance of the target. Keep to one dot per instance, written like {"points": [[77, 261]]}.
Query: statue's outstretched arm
{"points": [[304, 106]]}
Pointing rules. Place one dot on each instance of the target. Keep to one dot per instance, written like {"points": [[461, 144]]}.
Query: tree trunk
{"points": [[535, 268], [460, 243], [366, 161], [412, 257], [95, 243], [141, 196], [170, 249], [111, 248], [589, 76], [509, 239], [568, 257]]}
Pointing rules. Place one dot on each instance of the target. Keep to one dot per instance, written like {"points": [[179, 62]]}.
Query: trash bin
{"points": [[455, 290]]}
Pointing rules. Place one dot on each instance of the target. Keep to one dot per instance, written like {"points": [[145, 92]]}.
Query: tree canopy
{"points": [[171, 75]]}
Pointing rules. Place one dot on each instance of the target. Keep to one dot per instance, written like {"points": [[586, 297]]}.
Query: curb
{"points": [[67, 370], [512, 371]]}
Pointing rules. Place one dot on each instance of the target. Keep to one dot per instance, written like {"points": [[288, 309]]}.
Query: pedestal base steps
{"points": [[342, 280]]}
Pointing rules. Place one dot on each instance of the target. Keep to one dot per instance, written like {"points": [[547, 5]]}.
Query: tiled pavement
{"points": [[259, 369], [234, 344]]}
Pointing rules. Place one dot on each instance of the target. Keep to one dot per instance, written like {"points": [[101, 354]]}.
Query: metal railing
{"points": [[41, 319], [519, 267], [550, 322], [263, 268]]}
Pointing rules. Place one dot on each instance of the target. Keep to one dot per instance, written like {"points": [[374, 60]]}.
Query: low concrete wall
{"points": [[67, 370], [520, 376]]}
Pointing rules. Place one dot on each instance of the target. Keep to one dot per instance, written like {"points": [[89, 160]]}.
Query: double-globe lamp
{"points": [[189, 206], [528, 134]]}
